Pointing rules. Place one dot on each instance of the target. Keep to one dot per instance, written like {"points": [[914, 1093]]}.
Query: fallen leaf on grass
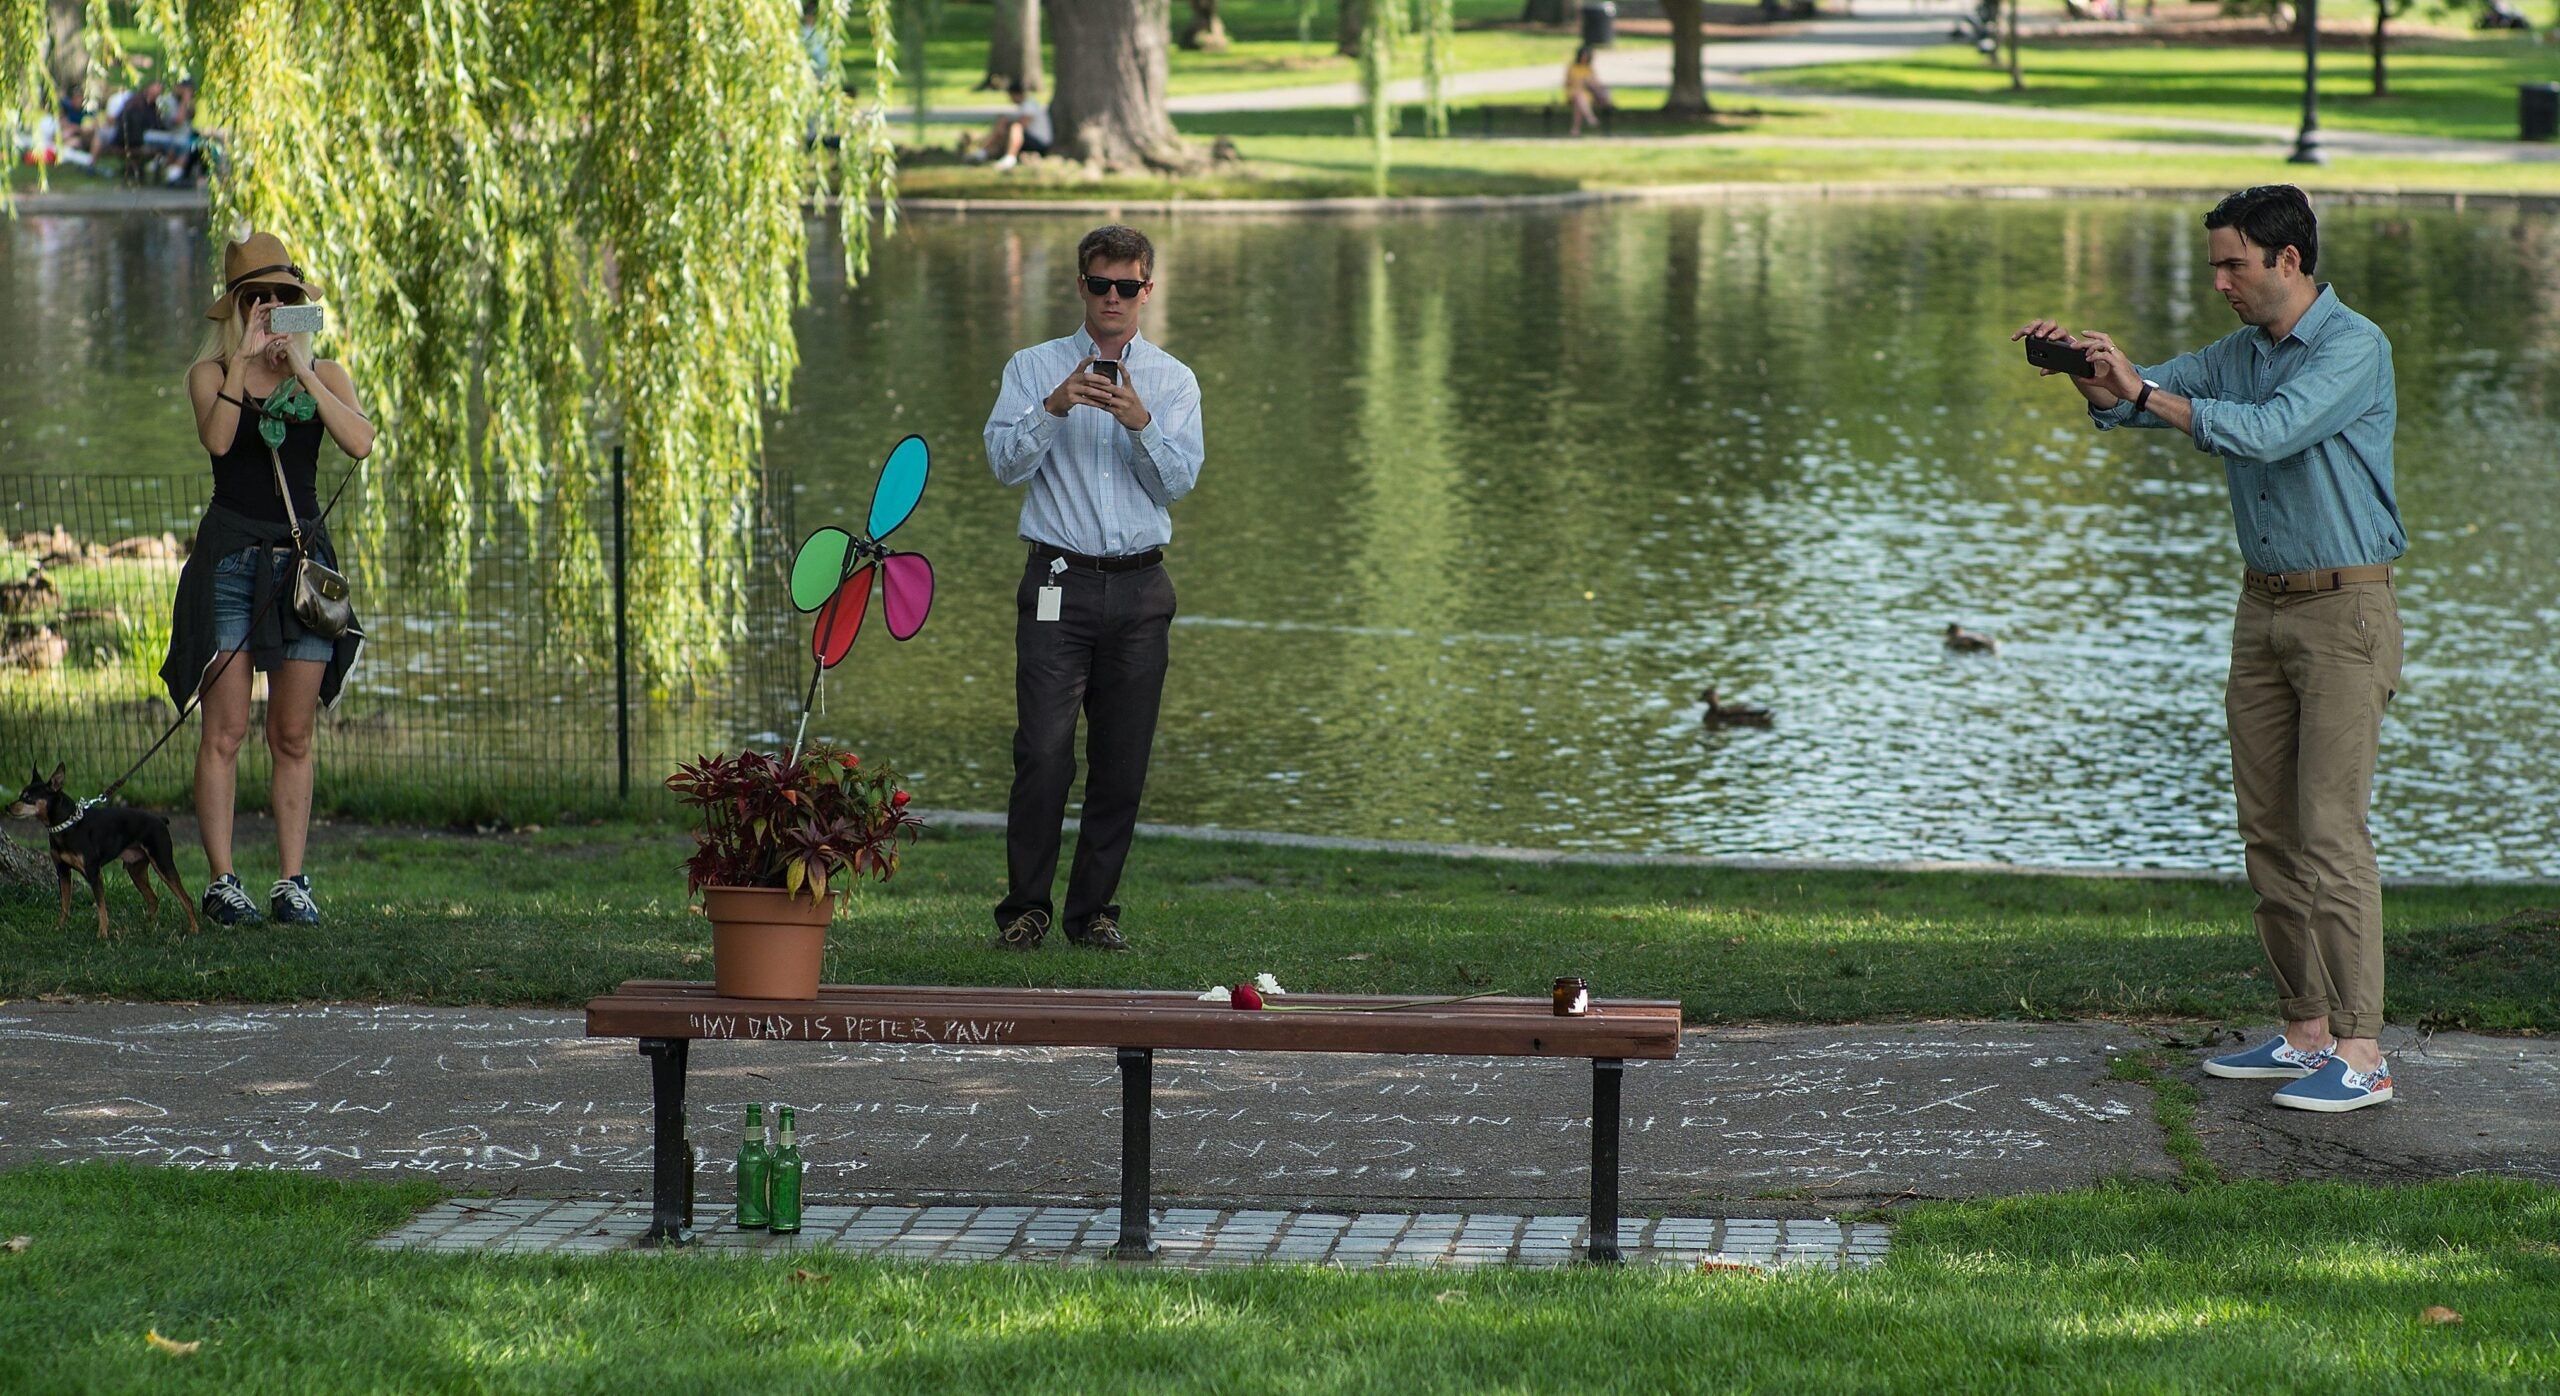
{"points": [[2438, 1313], [174, 1349], [1716, 1264], [690, 957], [1361, 956], [1450, 1296], [15, 1244], [810, 1277]]}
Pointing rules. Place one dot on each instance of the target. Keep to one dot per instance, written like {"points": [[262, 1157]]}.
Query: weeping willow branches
{"points": [[1383, 25], [542, 223], [1439, 24]]}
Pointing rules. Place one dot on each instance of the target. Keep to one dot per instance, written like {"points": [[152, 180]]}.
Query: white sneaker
{"points": [[975, 157], [1007, 163]]}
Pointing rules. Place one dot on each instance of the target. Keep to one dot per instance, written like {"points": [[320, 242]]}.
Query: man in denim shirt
{"points": [[2299, 404]]}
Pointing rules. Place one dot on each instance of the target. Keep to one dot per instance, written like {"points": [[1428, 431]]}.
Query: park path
{"points": [[1755, 67], [917, 1149]]}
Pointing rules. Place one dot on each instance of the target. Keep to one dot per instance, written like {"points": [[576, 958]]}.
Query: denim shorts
{"points": [[235, 585]]}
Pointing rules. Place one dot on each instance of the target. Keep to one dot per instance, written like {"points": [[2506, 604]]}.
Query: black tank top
{"points": [[244, 480]]}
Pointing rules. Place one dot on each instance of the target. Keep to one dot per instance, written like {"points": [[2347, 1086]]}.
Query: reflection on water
{"points": [[1489, 500]]}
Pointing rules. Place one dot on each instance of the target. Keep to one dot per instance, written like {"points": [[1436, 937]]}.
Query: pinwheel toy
{"points": [[831, 574]]}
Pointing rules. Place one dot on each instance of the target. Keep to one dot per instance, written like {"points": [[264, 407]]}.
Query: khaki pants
{"points": [[2310, 675]]}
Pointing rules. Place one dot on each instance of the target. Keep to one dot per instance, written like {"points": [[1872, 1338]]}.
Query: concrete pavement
{"points": [[1748, 1120]]}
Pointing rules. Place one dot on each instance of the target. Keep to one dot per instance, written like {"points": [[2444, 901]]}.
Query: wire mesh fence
{"points": [[496, 689]]}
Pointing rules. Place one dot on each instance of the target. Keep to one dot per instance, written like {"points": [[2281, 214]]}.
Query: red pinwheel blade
{"points": [[906, 593], [840, 620]]}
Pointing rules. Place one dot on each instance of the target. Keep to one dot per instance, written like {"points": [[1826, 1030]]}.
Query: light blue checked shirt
{"points": [[2303, 426], [1096, 486]]}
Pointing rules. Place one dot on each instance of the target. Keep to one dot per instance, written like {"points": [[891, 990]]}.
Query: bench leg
{"points": [[1137, 1149], [671, 1153], [1605, 1073]]}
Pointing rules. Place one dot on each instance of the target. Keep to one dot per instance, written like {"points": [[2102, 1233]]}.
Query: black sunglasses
{"points": [[251, 297], [1104, 285]]}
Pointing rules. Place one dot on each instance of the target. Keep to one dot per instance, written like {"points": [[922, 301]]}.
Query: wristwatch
{"points": [[2143, 398]]}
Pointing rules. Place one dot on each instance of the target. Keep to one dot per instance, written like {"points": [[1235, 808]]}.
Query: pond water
{"points": [[1489, 500]]}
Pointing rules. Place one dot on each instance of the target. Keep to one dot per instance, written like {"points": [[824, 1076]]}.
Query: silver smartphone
{"points": [[294, 319]]}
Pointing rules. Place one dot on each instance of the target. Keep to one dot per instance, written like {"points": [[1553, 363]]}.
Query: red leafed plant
{"points": [[770, 822]]}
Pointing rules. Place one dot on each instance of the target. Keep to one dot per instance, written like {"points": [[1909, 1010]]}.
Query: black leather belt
{"points": [[1042, 552]]}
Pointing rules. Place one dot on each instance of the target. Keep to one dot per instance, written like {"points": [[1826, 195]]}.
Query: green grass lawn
{"points": [[1264, 52], [559, 916], [2439, 87], [2129, 1288]]}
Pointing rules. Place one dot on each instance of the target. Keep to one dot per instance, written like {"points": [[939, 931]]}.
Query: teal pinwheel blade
{"points": [[901, 485], [818, 569]]}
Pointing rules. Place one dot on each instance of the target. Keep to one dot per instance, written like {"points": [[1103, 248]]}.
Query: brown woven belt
{"points": [[2318, 579]]}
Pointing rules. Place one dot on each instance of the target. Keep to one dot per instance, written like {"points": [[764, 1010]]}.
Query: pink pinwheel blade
{"points": [[906, 592], [840, 619]]}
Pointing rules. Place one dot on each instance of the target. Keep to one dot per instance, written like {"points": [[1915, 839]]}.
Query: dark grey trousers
{"points": [[1104, 656]]}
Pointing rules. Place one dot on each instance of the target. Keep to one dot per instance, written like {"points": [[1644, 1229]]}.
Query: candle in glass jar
{"points": [[1573, 997]]}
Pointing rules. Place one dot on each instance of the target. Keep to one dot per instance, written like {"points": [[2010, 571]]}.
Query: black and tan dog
{"points": [[87, 840]]}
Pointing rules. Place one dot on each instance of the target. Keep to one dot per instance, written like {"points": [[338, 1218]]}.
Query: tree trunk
{"points": [[1688, 96], [1109, 104], [70, 60], [1347, 28], [2016, 82], [1206, 33], [1013, 47], [2381, 18], [23, 870]]}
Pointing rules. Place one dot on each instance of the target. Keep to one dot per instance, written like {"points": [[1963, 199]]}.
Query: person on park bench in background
{"points": [[2300, 405], [1105, 429]]}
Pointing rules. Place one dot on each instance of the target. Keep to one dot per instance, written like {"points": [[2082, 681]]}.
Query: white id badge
{"points": [[1048, 603]]}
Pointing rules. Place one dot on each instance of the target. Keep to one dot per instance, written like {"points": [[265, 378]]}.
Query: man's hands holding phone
{"points": [[2053, 349], [1097, 382]]}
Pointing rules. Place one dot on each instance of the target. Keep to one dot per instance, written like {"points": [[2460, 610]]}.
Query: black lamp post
{"points": [[2306, 146]]}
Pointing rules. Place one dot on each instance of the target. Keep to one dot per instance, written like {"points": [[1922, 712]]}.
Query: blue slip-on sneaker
{"points": [[2336, 1086], [2270, 1060], [226, 902]]}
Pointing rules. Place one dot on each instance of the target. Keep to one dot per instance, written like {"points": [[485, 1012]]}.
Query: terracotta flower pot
{"points": [[766, 943]]}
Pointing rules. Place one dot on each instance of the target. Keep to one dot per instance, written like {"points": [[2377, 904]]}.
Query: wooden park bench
{"points": [[668, 1016]]}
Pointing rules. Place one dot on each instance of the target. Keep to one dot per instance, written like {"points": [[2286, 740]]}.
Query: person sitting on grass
{"points": [[1584, 91], [1022, 131]]}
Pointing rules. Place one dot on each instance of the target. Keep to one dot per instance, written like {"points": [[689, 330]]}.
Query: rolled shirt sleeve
{"points": [[2187, 375], [1020, 429], [1169, 447], [2334, 385]]}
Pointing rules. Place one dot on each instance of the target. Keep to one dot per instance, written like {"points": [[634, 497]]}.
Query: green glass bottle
{"points": [[786, 1178], [755, 1175]]}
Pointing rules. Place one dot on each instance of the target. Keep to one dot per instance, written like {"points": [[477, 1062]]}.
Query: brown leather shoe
{"points": [[1023, 932], [1100, 933]]}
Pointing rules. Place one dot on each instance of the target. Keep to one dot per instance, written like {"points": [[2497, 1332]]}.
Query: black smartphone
{"points": [[2060, 357], [1108, 368]]}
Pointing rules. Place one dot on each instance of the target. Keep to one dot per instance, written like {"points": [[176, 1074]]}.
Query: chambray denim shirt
{"points": [[1096, 486], [2303, 426]]}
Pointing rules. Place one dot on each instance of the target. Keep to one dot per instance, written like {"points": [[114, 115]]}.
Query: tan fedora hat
{"points": [[259, 259]]}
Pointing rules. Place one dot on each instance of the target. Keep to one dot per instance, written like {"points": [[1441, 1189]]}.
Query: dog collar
{"points": [[78, 813]]}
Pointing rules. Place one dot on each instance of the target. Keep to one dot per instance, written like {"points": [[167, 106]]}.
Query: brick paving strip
{"points": [[1186, 1238]]}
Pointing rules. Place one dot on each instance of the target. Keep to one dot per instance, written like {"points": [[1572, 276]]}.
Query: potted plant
{"points": [[780, 838]]}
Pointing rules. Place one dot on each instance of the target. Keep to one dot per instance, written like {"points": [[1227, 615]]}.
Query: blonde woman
{"points": [[233, 611]]}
